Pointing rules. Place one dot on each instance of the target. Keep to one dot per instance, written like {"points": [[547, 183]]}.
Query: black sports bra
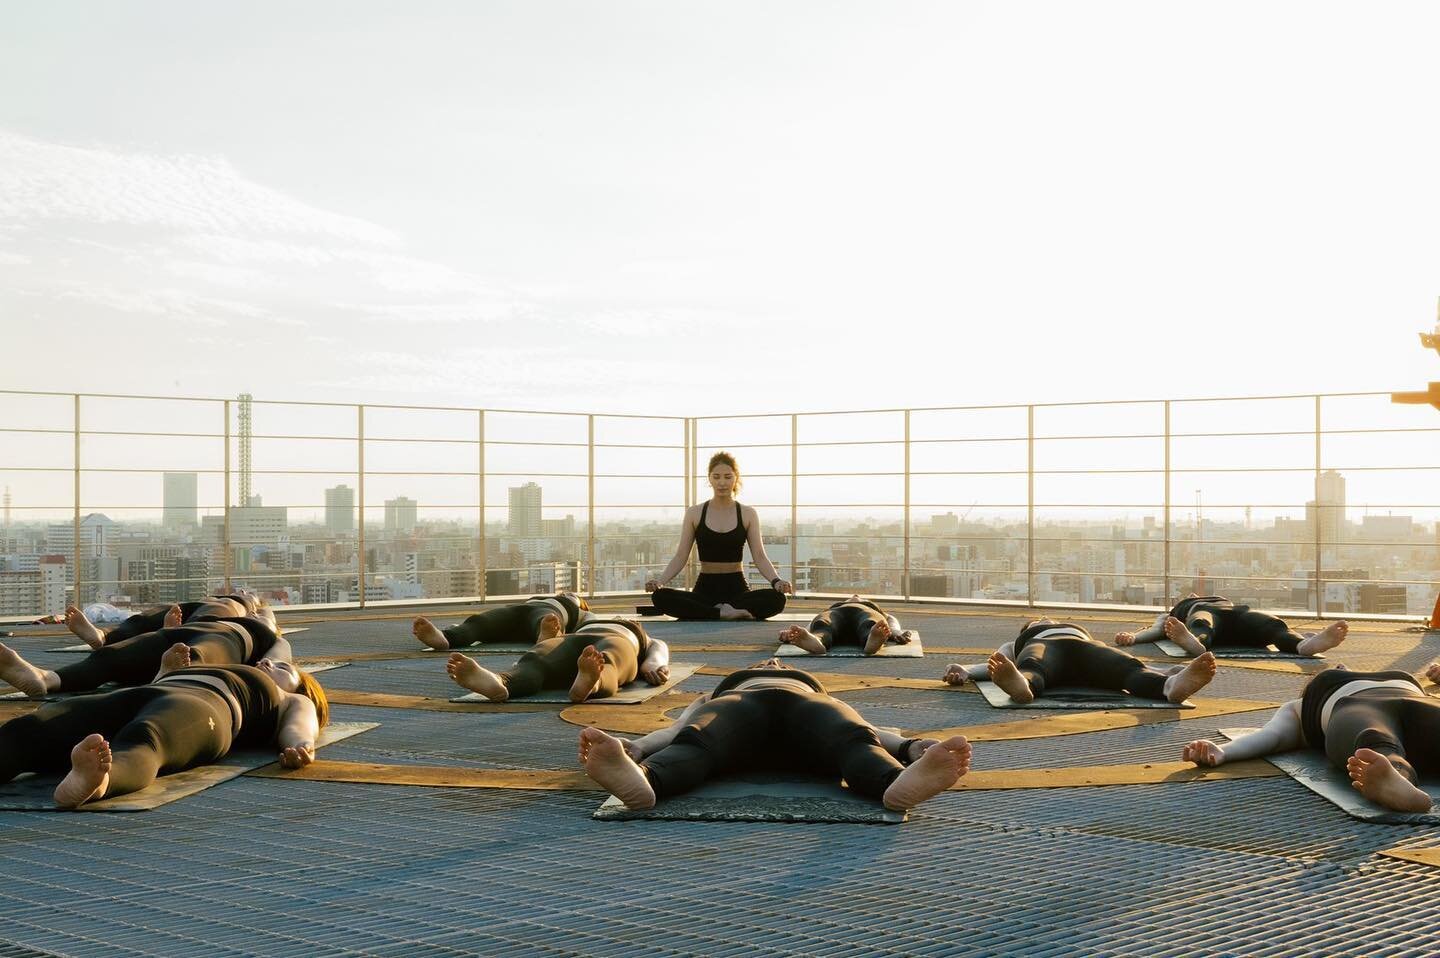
{"points": [[721, 546]]}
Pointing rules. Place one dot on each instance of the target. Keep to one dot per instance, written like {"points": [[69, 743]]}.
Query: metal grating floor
{"points": [[262, 867]]}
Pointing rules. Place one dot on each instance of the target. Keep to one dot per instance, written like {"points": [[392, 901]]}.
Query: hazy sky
{"points": [[686, 208]]}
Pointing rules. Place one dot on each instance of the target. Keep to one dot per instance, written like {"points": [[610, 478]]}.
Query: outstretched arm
{"points": [[757, 552], [1152, 634], [1280, 734], [655, 741], [655, 669], [682, 553], [298, 730]]}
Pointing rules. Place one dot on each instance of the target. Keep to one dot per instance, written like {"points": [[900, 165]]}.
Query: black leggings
{"points": [[1402, 726], [777, 730], [847, 625], [1241, 627], [505, 623], [713, 588], [134, 661], [551, 664], [1068, 660], [152, 730]]}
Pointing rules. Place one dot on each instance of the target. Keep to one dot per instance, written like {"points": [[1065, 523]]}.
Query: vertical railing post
{"points": [[590, 521], [1166, 531], [1319, 523], [1030, 505], [75, 519], [480, 545], [905, 583], [225, 533], [794, 499], [695, 496], [360, 495]]}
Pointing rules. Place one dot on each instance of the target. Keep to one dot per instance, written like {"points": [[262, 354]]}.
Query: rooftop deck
{"points": [[260, 866]]}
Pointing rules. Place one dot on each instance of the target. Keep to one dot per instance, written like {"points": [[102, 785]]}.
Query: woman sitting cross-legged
{"points": [[1201, 622], [1380, 728], [774, 718], [244, 640], [534, 620], [1048, 654], [118, 742], [853, 622], [595, 661]]}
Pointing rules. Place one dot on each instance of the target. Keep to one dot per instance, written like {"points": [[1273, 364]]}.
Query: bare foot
{"points": [[1203, 752], [1327, 638], [802, 638], [1197, 674], [175, 657], [550, 626], [89, 773], [940, 767], [21, 674], [607, 762], [1432, 672], [587, 674], [469, 674], [879, 635], [956, 675], [1004, 674], [173, 617], [1176, 632], [83, 628], [1374, 777], [428, 635], [731, 614], [1124, 638]]}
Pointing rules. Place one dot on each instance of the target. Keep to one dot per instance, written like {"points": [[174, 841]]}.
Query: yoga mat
{"points": [[385, 700], [893, 650], [1089, 776], [761, 799], [1313, 770], [780, 617], [34, 793], [498, 648], [1425, 856], [1233, 652], [82, 647], [1066, 697], [632, 694], [433, 776], [110, 686]]}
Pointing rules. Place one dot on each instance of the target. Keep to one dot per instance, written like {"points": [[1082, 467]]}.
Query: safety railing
{"points": [[1286, 501]]}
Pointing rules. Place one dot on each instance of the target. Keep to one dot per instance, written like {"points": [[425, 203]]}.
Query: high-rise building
{"points": [[525, 511], [400, 516], [181, 501], [340, 509], [1330, 512]]}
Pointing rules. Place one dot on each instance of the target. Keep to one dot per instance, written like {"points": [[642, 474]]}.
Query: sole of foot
{"points": [[1004, 674], [1196, 674], [1377, 779], [89, 773], [82, 628], [550, 627], [587, 674], [21, 674], [877, 638], [731, 614], [1176, 632], [940, 767], [173, 617], [1324, 640], [469, 674], [611, 767], [175, 657], [429, 636]]}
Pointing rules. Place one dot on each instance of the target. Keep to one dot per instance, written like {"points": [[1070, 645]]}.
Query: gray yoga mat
{"points": [[34, 793], [493, 648], [1065, 697], [892, 650], [1312, 769], [1234, 652], [82, 647], [632, 694], [110, 686], [780, 617], [757, 798]]}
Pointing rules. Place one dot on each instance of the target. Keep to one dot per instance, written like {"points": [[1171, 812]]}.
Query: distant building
{"points": [[525, 522], [400, 516], [1329, 511], [181, 501], [340, 510]]}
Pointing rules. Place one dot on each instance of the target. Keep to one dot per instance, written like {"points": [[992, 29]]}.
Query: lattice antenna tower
{"points": [[245, 438]]}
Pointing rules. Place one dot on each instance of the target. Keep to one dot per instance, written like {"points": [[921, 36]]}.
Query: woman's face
{"points": [[722, 479], [283, 674]]}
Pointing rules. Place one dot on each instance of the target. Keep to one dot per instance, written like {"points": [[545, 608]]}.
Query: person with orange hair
{"points": [[721, 591]]}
